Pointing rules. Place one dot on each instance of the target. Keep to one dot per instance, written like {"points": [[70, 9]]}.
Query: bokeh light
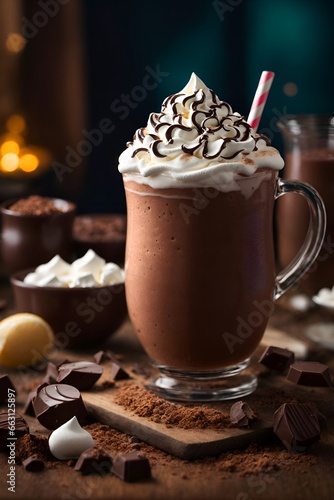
{"points": [[10, 162], [28, 162], [16, 124], [15, 42], [10, 147], [290, 89]]}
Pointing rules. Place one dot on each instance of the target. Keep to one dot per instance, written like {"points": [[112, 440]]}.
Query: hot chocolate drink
{"points": [[315, 166], [200, 269]]}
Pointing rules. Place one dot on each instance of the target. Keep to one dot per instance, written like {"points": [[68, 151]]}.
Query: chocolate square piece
{"points": [[57, 403], [80, 374], [94, 461], [132, 467], [310, 373], [108, 355], [5, 384], [297, 426], [117, 372], [12, 426], [28, 408], [33, 464], [277, 358]]}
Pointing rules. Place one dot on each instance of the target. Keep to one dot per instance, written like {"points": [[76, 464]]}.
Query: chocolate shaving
{"points": [[241, 414]]}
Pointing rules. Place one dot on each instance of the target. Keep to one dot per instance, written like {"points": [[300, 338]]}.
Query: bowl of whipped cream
{"points": [[83, 301]]}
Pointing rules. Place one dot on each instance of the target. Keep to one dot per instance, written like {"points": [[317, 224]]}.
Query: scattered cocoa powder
{"points": [[29, 444], [35, 205], [255, 459], [146, 404]]}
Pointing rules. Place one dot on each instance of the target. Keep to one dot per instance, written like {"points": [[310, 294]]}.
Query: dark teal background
{"points": [[228, 44]]}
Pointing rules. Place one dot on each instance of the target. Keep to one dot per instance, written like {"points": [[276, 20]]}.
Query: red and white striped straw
{"points": [[260, 99]]}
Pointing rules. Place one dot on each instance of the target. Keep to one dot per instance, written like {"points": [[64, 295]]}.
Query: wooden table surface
{"points": [[174, 478]]}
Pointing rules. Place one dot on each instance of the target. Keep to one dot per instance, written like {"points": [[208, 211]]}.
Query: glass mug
{"points": [[309, 157], [200, 279]]}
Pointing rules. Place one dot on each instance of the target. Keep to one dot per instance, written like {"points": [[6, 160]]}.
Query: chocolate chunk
{"points": [[101, 356], [241, 414], [5, 384], [12, 426], [57, 403], [94, 461], [277, 358], [33, 464], [117, 372], [310, 373], [297, 426], [28, 408], [80, 374], [133, 466]]}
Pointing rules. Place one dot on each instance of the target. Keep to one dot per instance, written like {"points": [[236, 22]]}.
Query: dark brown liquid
{"points": [[200, 273], [315, 167]]}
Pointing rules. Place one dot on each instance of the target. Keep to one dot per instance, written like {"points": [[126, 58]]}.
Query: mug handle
{"points": [[314, 238]]}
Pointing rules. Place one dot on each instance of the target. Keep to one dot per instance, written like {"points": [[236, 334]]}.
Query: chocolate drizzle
{"points": [[197, 123]]}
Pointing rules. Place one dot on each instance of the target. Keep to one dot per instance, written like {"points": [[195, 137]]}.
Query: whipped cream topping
{"points": [[88, 271], [196, 140], [70, 440]]}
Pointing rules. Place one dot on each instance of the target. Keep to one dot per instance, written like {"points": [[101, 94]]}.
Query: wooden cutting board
{"points": [[195, 443], [185, 443]]}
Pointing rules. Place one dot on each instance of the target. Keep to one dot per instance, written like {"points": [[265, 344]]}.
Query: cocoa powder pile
{"points": [[146, 404], [35, 205]]}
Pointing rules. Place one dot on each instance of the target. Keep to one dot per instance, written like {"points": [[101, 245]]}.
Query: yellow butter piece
{"points": [[24, 339]]}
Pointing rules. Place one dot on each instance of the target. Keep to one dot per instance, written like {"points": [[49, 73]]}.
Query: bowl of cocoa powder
{"points": [[34, 229], [104, 233]]}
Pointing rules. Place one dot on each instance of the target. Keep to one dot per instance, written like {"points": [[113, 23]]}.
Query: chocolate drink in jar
{"points": [[309, 157], [200, 267]]}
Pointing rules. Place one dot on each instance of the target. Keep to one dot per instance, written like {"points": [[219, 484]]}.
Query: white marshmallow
{"points": [[56, 266], [88, 271], [70, 440], [90, 263], [83, 280], [51, 280], [111, 274]]}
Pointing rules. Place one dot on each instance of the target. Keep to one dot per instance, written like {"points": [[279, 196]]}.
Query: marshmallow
{"points": [[56, 266], [83, 280], [88, 271], [90, 263], [70, 440], [111, 274]]}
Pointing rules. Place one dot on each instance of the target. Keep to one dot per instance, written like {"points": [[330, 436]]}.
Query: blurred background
{"points": [[78, 77]]}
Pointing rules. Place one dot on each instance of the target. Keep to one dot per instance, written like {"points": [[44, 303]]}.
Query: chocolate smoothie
{"points": [[315, 166], [200, 278], [200, 271]]}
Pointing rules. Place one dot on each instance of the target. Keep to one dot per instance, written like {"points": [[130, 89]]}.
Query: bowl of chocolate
{"points": [[84, 302], [104, 233], [34, 229]]}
